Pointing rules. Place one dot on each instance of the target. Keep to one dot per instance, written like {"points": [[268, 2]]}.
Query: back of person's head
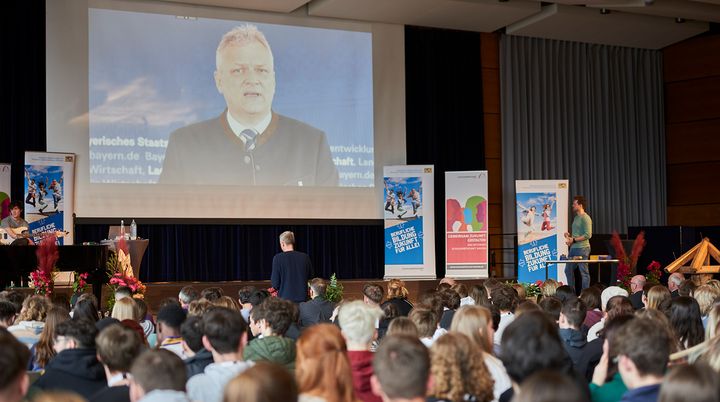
{"points": [[425, 320], [227, 302], [322, 365], [609, 333], [451, 299], [357, 321], [277, 313], [44, 350], [257, 297], [7, 312], [61, 300], [686, 288], [244, 294], [530, 343], [168, 301], [288, 238], [192, 332], [172, 316], [476, 323], [433, 301], [479, 294], [91, 297], [264, 382], [706, 296], [442, 286], [551, 306], [618, 305], [565, 293], [142, 310], [686, 320], [550, 386], [461, 289], [58, 396], [526, 305], [188, 294], [490, 284], [458, 368], [549, 287], [645, 343], [713, 322], [318, 286], [574, 311], [225, 330], [609, 293], [211, 294], [117, 347], [402, 326], [396, 289], [125, 309], [690, 383], [657, 295], [87, 310], [390, 311], [34, 308], [122, 292], [504, 298], [520, 290], [373, 292], [14, 357], [157, 369], [14, 297], [401, 368], [591, 297], [199, 307], [81, 331]]}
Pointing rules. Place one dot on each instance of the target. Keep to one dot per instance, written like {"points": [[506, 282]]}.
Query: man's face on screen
{"points": [[246, 78]]}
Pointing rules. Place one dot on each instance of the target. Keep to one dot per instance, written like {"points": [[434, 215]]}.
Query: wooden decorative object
{"points": [[699, 259]]}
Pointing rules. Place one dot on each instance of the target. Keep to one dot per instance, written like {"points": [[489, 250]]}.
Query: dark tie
{"points": [[250, 137]]}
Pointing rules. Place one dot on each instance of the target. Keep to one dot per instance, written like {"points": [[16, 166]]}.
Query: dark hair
{"points": [[526, 305], [574, 311], [159, 369], [565, 293], [224, 329], [433, 301], [531, 343], [550, 386], [692, 383], [7, 310], [608, 333], [86, 309], [504, 298], [425, 320], [168, 301], [61, 300], [257, 297], [551, 306], [390, 311], [646, 344], [443, 286], [14, 297], [192, 332], [17, 204], [14, 357], [277, 313], [263, 382], [118, 346], [451, 299], [591, 297], [581, 200], [211, 294], [647, 286], [402, 367], [188, 294], [480, 295], [618, 305], [686, 288], [686, 320], [495, 313], [172, 316], [83, 331], [319, 286], [88, 296], [461, 289], [244, 293], [373, 292]]}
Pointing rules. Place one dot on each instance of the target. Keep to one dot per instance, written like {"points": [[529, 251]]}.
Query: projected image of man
{"points": [[248, 143]]}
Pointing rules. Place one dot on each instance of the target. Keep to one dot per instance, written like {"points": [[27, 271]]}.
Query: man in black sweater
{"points": [[584, 355], [318, 309], [290, 270]]}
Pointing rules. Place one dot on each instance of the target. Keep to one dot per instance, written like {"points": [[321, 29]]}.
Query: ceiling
{"points": [[651, 24]]}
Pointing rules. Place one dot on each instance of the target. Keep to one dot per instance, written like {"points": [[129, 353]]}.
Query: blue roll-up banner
{"points": [[408, 209], [542, 220], [49, 189]]}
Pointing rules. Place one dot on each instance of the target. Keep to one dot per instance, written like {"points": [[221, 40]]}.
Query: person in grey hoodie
{"points": [[158, 376], [225, 336]]}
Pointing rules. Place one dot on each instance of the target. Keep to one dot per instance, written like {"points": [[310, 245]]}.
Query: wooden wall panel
{"points": [[490, 50], [494, 167], [692, 142], [692, 100], [491, 90], [696, 58], [694, 215], [493, 136], [495, 211], [695, 183]]}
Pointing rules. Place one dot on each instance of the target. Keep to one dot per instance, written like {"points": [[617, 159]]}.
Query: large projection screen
{"points": [[167, 123]]}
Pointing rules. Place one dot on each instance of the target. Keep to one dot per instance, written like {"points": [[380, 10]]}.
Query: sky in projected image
{"points": [[150, 74]]}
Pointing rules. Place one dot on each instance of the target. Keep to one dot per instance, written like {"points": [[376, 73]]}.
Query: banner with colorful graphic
{"points": [[5, 190], [409, 219], [542, 220], [49, 182], [466, 224]]}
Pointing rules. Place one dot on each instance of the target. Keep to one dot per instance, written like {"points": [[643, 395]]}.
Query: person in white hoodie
{"points": [[158, 376], [225, 336]]}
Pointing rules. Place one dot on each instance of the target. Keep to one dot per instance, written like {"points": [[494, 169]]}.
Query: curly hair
{"points": [[322, 367], [396, 288], [458, 368], [34, 308]]}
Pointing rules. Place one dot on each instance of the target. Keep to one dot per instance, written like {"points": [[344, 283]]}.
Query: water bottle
{"points": [[133, 230], [122, 229]]}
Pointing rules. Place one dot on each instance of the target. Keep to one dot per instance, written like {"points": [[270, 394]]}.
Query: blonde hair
{"points": [[227, 302], [34, 308], [473, 321], [357, 321], [263, 382], [705, 296], [425, 320], [402, 326], [58, 396], [287, 237], [549, 287], [125, 309], [458, 368], [241, 36], [198, 307], [714, 283], [656, 295], [396, 288]]}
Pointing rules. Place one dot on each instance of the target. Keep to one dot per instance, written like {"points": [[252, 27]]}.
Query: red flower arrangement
{"points": [[43, 278], [654, 273], [120, 280], [627, 263], [80, 282]]}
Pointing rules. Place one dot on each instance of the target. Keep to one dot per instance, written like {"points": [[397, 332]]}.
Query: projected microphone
{"points": [[250, 137]]}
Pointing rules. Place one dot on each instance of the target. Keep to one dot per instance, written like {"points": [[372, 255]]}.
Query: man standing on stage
{"points": [[14, 221], [579, 243], [291, 270]]}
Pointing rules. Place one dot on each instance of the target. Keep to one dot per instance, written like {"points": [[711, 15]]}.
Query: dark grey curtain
{"points": [[592, 114]]}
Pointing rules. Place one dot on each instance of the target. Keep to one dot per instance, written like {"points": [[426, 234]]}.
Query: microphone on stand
{"points": [[250, 137]]}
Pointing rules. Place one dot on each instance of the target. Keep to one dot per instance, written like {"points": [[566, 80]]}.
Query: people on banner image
{"points": [[529, 205], [44, 189], [403, 200], [579, 242], [546, 214], [389, 199], [14, 227]]}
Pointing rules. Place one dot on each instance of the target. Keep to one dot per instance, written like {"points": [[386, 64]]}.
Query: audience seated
{"points": [[197, 356], [373, 295], [551, 306], [636, 291], [591, 297], [169, 320], [607, 384], [643, 349], [686, 287], [706, 296], [657, 296], [29, 324], [526, 305], [269, 322], [244, 300], [673, 283], [584, 355], [323, 370], [14, 381], [357, 322], [317, 309], [403, 326], [479, 295], [690, 383], [505, 299], [264, 382], [143, 318], [225, 336], [75, 368], [549, 287], [614, 302], [227, 302], [211, 294], [426, 322], [565, 293], [550, 386], [187, 295], [158, 376], [462, 290], [520, 290], [7, 313], [686, 321], [125, 309], [44, 350], [199, 307], [117, 348], [458, 371], [398, 296], [451, 302], [402, 370]]}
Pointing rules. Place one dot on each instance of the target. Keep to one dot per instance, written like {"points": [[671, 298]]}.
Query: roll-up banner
{"points": [[466, 224], [409, 222], [5, 190], [542, 220], [49, 189]]}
